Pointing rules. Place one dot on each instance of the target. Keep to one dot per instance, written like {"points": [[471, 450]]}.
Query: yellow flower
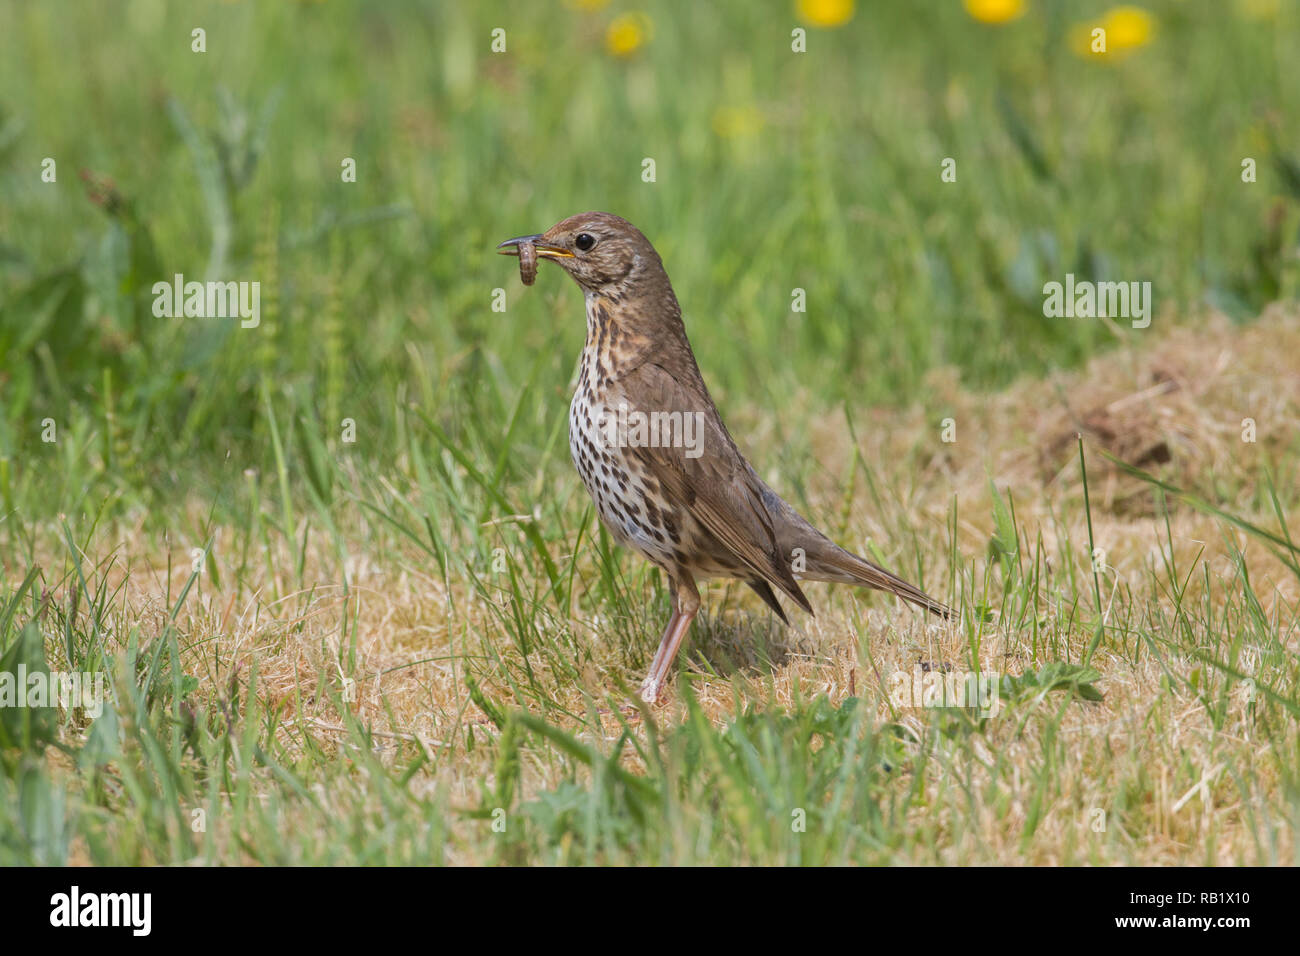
{"points": [[995, 11], [1126, 29], [627, 34], [825, 13]]}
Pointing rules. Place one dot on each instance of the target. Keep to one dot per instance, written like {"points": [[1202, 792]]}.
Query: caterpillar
{"points": [[527, 263]]}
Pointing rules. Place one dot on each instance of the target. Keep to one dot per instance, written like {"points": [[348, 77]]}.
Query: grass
{"points": [[374, 691], [412, 648]]}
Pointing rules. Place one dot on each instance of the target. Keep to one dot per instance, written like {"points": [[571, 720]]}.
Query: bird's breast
{"points": [[627, 499]]}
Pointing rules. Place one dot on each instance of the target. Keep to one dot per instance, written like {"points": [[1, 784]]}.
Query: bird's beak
{"points": [[544, 250]]}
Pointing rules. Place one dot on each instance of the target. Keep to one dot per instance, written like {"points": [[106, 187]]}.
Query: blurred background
{"points": [[773, 170]]}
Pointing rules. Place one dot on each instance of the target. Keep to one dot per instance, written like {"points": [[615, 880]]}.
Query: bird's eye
{"points": [[585, 241]]}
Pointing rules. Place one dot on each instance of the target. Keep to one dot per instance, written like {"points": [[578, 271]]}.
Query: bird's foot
{"points": [[650, 691]]}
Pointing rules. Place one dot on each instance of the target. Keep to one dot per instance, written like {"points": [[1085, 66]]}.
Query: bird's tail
{"points": [[824, 560], [845, 567]]}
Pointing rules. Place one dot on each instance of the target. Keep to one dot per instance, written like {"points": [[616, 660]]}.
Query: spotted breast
{"points": [[628, 500]]}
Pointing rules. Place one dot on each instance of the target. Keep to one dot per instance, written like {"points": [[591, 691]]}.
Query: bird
{"points": [[681, 494]]}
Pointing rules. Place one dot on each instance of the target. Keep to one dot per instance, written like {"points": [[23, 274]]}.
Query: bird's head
{"points": [[604, 254]]}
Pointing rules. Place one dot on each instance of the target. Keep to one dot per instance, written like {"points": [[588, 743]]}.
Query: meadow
{"points": [[350, 601]]}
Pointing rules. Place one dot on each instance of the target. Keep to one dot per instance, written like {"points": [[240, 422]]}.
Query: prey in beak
{"points": [[544, 249], [529, 249]]}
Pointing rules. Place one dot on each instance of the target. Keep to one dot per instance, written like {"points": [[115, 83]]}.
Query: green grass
{"points": [[518, 622]]}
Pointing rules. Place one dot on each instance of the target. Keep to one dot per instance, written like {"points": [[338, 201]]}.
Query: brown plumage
{"points": [[665, 475]]}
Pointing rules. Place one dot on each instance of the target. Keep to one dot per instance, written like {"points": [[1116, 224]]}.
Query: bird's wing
{"points": [[715, 485]]}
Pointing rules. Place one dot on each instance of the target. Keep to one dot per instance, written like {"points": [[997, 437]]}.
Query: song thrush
{"points": [[652, 451]]}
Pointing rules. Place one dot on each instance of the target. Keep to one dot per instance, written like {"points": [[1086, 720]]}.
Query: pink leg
{"points": [[686, 601], [665, 642]]}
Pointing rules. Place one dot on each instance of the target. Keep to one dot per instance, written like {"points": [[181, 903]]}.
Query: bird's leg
{"points": [[686, 604], [650, 686]]}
